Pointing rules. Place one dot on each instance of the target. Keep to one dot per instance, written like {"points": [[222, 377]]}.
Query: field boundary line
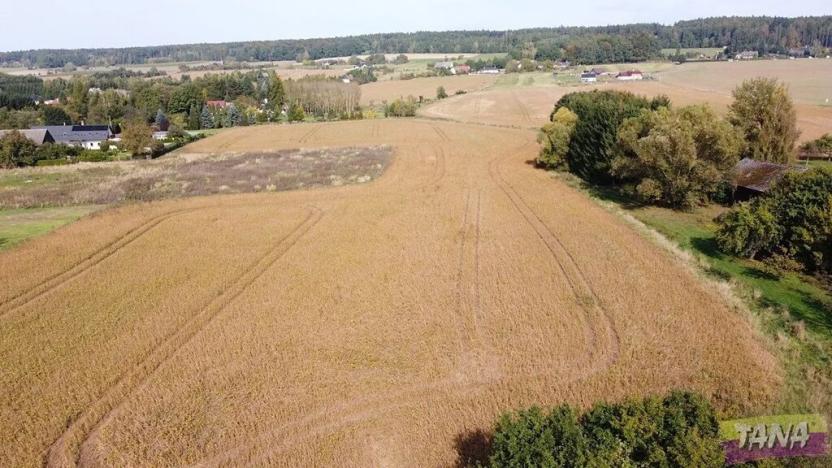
{"points": [[59, 279], [72, 445]]}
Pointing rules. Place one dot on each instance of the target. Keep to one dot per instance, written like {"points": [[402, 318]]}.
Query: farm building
{"points": [[630, 75], [747, 55], [589, 77], [489, 71], [449, 66], [38, 136], [462, 69], [85, 136], [754, 178]]}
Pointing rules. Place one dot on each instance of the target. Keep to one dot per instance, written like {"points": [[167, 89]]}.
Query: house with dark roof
{"points": [[84, 136], [754, 178], [38, 136], [589, 77]]}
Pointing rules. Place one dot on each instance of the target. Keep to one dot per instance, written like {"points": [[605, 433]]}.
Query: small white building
{"points": [[589, 77]]}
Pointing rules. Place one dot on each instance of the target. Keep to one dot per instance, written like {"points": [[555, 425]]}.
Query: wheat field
{"points": [[695, 83], [381, 324]]}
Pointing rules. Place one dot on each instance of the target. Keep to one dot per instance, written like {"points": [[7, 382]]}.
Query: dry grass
{"points": [[360, 325], [389, 90], [696, 83], [188, 175]]}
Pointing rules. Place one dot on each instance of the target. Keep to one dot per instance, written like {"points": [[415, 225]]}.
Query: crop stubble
{"points": [[357, 325]]}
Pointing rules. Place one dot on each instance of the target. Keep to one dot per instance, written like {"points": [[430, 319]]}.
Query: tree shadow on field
{"points": [[472, 448]]}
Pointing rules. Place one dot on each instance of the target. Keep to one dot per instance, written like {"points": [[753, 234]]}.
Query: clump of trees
{"points": [[790, 226], [674, 157], [324, 97], [820, 147], [763, 111], [16, 150], [592, 143], [680, 429], [555, 138], [677, 157], [401, 107]]}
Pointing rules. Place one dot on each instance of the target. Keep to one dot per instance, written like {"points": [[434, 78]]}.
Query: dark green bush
{"points": [[600, 113], [678, 430], [793, 220]]}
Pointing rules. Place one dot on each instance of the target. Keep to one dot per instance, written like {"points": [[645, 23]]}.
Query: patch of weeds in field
{"points": [[175, 177], [19, 225], [793, 310]]}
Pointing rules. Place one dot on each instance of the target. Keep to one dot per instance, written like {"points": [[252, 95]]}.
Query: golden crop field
{"points": [[695, 83], [389, 90], [366, 325]]}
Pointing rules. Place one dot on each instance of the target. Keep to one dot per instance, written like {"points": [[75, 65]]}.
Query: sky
{"points": [[108, 23]]}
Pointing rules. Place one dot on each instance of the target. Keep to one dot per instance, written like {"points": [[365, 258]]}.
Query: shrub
{"points": [[555, 137], [793, 220], [678, 158], [600, 113], [821, 146], [678, 430], [16, 150], [441, 93], [763, 111], [401, 108]]}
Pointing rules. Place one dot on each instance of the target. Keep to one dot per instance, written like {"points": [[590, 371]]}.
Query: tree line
{"points": [[583, 44], [685, 157]]}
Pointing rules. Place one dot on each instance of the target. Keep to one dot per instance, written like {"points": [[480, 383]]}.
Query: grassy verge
{"points": [[19, 225], [793, 311]]}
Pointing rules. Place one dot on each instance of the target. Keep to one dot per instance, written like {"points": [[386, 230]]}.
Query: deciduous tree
{"points": [[763, 111]]}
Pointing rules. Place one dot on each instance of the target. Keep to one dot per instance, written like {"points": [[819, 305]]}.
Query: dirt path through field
{"points": [[366, 325]]}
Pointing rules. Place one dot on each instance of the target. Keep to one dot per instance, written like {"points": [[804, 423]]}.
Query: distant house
{"points": [[589, 77], [462, 69], [84, 136], [217, 103], [747, 55], [447, 66], [489, 71], [38, 136], [754, 178], [160, 135], [630, 75]]}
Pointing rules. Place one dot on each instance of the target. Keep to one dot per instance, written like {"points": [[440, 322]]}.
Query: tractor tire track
{"points": [[585, 294], [361, 409], [308, 135], [71, 446], [59, 279]]}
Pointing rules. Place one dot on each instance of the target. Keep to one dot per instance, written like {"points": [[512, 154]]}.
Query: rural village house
{"points": [[630, 75], [589, 77], [748, 55], [84, 136]]}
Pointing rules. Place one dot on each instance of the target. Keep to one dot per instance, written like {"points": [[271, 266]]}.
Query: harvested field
{"points": [[189, 175], [364, 325], [522, 107], [513, 104], [389, 90]]}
